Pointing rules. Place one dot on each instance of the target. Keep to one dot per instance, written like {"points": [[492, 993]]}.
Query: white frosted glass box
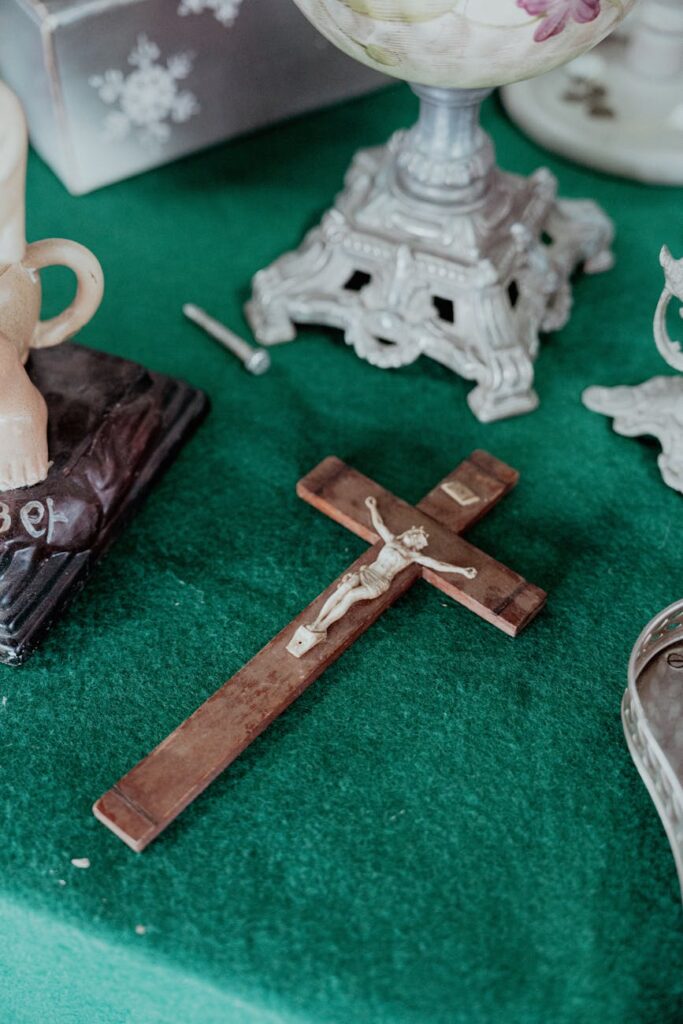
{"points": [[114, 87]]}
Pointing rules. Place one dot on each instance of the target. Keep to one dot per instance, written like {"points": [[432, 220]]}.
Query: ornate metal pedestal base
{"points": [[652, 713], [430, 250], [620, 108], [654, 408]]}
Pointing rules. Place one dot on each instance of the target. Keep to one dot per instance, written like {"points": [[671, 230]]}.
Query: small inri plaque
{"points": [[460, 492]]}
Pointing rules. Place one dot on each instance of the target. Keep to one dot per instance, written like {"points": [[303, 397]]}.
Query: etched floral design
{"points": [[225, 11], [465, 43], [148, 100], [556, 14]]}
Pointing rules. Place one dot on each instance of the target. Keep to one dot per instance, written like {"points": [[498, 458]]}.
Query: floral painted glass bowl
{"points": [[464, 43], [431, 250]]}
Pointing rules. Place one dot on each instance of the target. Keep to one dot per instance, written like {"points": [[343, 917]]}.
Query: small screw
{"points": [[675, 659], [255, 360]]}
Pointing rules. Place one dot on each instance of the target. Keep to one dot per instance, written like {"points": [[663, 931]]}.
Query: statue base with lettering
{"points": [[114, 428]]}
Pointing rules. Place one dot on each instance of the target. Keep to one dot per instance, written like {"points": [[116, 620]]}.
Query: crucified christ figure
{"points": [[371, 581]]}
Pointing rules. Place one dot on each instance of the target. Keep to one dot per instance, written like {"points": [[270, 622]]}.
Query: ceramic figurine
{"points": [[619, 108], [23, 414], [146, 800], [83, 435], [655, 407], [431, 249]]}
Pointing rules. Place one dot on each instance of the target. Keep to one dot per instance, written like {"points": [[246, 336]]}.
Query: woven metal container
{"points": [[652, 713]]}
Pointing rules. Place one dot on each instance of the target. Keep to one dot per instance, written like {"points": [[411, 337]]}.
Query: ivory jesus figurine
{"points": [[371, 581]]}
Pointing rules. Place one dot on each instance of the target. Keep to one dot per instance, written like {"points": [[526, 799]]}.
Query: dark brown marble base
{"points": [[114, 428]]}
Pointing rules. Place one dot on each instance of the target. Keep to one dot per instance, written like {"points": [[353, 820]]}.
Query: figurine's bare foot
{"points": [[23, 430]]}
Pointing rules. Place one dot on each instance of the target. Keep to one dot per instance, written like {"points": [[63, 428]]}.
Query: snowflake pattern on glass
{"points": [[225, 11], [148, 100]]}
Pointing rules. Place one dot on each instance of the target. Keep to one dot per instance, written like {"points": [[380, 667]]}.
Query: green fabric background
{"points": [[447, 827]]}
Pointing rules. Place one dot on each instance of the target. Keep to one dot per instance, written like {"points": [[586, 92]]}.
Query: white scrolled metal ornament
{"points": [[654, 408], [431, 249]]}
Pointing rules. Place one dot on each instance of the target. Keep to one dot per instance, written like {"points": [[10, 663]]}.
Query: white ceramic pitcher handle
{"points": [[60, 252]]}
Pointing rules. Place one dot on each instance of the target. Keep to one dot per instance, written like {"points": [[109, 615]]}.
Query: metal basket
{"points": [[652, 713]]}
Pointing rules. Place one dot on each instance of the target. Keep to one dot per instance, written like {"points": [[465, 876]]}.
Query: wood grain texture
{"points": [[153, 794], [498, 594], [146, 800]]}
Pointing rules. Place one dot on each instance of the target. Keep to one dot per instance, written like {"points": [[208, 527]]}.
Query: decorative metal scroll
{"points": [[655, 407]]}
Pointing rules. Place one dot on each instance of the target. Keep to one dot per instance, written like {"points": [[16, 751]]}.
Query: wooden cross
{"points": [[153, 794]]}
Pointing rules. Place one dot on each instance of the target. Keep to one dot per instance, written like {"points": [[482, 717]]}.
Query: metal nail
{"points": [[255, 360]]}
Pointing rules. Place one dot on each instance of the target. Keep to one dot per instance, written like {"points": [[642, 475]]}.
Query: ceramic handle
{"points": [[59, 252]]}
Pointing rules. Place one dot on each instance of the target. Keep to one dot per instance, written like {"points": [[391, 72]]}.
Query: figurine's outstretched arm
{"points": [[432, 563], [377, 521]]}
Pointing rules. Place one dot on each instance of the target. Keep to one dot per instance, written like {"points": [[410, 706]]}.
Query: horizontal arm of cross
{"points": [[498, 594]]}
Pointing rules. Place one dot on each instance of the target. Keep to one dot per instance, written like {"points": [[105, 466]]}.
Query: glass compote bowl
{"points": [[431, 249]]}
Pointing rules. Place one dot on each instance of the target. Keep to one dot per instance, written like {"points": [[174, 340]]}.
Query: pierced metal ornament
{"points": [[652, 714], [656, 407], [432, 250]]}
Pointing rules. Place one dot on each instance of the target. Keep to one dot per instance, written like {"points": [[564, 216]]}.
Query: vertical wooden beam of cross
{"points": [[146, 800]]}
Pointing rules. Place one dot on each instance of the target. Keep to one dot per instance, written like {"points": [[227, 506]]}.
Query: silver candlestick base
{"points": [[654, 408], [431, 250]]}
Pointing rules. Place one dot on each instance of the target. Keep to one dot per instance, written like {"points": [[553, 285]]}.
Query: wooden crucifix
{"points": [[408, 543]]}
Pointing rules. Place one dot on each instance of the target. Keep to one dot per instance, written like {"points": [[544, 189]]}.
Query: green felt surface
{"points": [[447, 827]]}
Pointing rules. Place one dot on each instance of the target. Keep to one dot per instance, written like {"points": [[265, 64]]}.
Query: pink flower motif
{"points": [[556, 14]]}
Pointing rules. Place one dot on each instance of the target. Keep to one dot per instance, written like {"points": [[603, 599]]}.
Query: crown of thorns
{"points": [[416, 529]]}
